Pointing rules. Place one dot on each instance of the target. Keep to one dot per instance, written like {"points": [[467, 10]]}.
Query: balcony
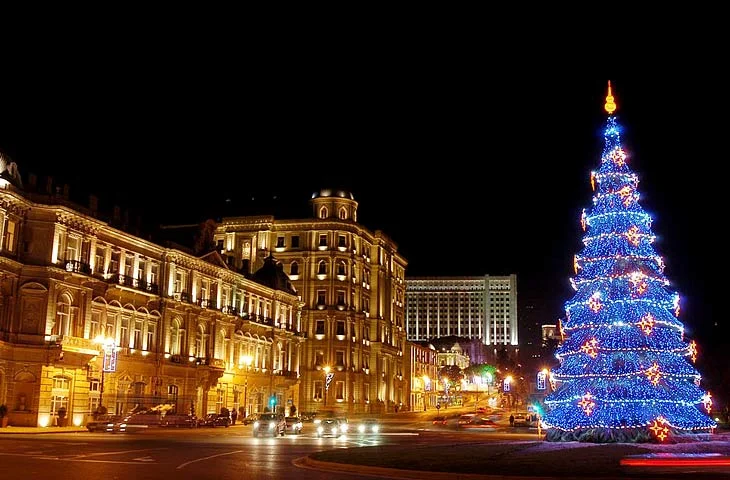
{"points": [[136, 283], [76, 266]]}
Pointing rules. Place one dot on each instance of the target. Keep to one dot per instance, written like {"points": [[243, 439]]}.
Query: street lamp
{"points": [[327, 379], [490, 379], [109, 361], [245, 360], [425, 382]]}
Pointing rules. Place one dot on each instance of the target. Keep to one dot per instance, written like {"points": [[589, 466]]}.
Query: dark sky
{"points": [[472, 165]]}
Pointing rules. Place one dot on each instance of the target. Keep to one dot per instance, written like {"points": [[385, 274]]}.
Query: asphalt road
{"points": [[220, 453]]}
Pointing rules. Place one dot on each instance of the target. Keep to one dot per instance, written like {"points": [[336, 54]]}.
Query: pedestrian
{"points": [[511, 420], [234, 416]]}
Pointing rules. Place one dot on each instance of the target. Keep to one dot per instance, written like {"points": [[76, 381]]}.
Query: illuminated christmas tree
{"points": [[626, 371]]}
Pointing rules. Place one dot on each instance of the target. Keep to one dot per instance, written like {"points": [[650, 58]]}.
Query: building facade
{"points": [[351, 282], [473, 307], [91, 315], [422, 370]]}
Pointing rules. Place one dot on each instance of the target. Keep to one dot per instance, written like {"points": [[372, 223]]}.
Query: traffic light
{"points": [[272, 402]]}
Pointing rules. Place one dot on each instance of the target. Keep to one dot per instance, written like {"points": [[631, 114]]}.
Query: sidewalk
{"points": [[25, 430]]}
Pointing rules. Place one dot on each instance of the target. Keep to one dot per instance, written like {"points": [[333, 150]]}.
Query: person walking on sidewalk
{"points": [[511, 420]]}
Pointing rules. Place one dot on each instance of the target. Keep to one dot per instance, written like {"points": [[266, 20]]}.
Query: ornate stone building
{"points": [[423, 373], [172, 328], [351, 284]]}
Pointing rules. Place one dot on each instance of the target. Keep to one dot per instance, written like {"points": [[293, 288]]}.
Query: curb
{"points": [[37, 431]]}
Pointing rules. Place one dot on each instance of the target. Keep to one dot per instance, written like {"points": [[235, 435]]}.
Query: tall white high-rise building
{"points": [[476, 307]]}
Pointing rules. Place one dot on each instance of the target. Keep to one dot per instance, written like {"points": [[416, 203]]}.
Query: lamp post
{"points": [[246, 360], [109, 361], [425, 382], [477, 381], [490, 379], [327, 379]]}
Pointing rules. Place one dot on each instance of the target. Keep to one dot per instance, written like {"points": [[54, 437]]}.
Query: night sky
{"points": [[471, 169]]}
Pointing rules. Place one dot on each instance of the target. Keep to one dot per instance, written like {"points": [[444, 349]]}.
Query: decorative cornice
{"points": [[13, 204], [77, 222]]}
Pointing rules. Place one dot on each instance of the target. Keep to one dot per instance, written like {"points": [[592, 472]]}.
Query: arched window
{"points": [[323, 212], [200, 343], [322, 268], [294, 268], [176, 337], [341, 268], [63, 315], [343, 214]]}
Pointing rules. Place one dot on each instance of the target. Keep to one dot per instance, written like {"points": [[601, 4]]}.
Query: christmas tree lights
{"points": [[625, 371]]}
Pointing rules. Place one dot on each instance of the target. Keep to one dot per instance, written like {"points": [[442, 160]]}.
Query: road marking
{"points": [[117, 453], [144, 459], [183, 465], [56, 459]]}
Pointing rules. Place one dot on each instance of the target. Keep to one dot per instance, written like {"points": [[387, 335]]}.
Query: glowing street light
{"points": [[327, 380], [109, 361]]}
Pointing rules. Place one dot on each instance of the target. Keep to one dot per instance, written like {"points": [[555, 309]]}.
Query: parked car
{"points": [[293, 425], [308, 416], [329, 427], [440, 420], [269, 424], [173, 420], [368, 426], [215, 420], [250, 419]]}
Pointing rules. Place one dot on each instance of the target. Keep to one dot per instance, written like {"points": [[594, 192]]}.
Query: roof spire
{"points": [[610, 105]]}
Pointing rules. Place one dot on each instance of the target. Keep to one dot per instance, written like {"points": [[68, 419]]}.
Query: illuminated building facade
{"points": [[422, 370], [351, 283], [474, 307], [184, 330]]}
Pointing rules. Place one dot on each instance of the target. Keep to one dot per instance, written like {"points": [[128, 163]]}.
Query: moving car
{"points": [[293, 425], [104, 423], [269, 424], [440, 420], [481, 424], [215, 420], [466, 419], [250, 419], [368, 426], [329, 427]]}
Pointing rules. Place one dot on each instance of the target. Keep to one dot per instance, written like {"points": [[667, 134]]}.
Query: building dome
{"points": [[272, 275], [9, 172], [328, 192]]}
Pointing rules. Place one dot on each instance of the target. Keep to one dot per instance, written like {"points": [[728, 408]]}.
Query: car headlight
{"points": [[375, 429], [361, 428], [256, 424], [343, 427], [298, 425], [320, 430], [272, 425], [317, 420]]}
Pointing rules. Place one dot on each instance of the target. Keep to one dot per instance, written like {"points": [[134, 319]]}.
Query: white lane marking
{"points": [[183, 465], [56, 459], [144, 459], [117, 453]]}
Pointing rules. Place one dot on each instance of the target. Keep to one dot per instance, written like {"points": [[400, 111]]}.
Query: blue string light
{"points": [[624, 361]]}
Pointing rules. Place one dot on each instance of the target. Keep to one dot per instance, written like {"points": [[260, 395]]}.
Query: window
{"points": [[180, 280], [204, 290], [138, 389], [318, 358], [280, 242], [321, 297], [73, 249], [9, 234], [343, 214], [323, 212], [340, 358], [294, 268], [154, 268], [318, 391], [340, 327], [137, 334], [95, 322], [124, 333], [59, 394], [200, 343], [319, 327], [323, 240], [341, 241], [63, 316], [366, 392], [99, 258], [220, 401], [93, 395], [341, 298], [322, 268], [295, 241], [176, 337], [151, 336], [340, 390], [341, 268]]}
